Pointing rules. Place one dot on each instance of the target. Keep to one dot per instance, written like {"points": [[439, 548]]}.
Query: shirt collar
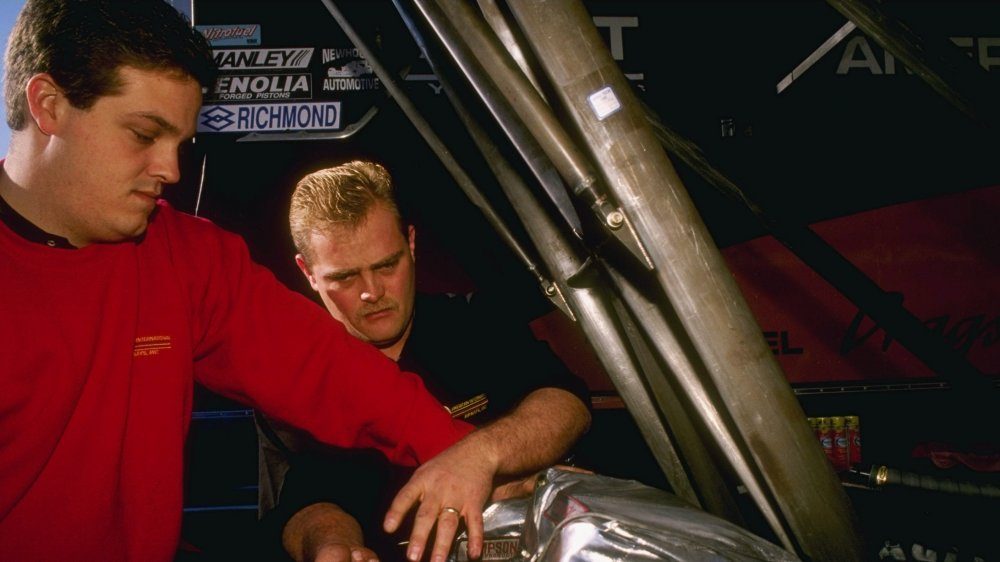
{"points": [[27, 230]]}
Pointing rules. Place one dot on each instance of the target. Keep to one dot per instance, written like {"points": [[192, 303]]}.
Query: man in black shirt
{"points": [[484, 367]]}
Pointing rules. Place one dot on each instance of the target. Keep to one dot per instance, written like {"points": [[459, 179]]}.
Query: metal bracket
{"points": [[618, 224], [555, 294]]}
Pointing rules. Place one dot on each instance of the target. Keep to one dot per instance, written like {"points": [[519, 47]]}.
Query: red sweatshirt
{"points": [[99, 348]]}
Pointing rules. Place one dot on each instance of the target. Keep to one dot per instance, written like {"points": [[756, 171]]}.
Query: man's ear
{"points": [[301, 262], [45, 102]]}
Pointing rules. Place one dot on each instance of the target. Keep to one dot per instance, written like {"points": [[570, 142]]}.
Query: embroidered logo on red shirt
{"points": [[150, 345]]}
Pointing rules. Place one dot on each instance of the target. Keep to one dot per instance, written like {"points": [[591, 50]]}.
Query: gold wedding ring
{"points": [[450, 510]]}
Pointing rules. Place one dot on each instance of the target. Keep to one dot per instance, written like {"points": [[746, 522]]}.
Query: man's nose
{"points": [[373, 289], [166, 165]]}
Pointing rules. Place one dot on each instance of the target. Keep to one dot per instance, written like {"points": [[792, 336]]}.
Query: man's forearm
{"points": [[537, 433]]}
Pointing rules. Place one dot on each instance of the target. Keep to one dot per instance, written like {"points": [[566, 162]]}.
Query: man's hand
{"points": [[539, 431], [322, 532], [453, 485]]}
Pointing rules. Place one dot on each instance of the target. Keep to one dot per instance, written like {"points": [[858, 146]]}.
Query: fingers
{"points": [[474, 530], [422, 524], [447, 526], [405, 499], [455, 478]]}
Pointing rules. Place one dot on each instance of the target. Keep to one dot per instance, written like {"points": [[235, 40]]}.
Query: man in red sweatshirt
{"points": [[112, 305]]}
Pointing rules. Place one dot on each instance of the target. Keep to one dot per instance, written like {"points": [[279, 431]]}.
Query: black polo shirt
{"points": [[475, 360]]}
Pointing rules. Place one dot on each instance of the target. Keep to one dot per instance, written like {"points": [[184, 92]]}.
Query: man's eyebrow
{"points": [[394, 258], [333, 275], [389, 260], [160, 121]]}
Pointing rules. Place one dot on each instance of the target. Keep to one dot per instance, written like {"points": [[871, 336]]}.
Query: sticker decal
{"points": [[347, 70], [231, 34], [250, 87], [604, 102], [269, 117], [292, 58], [493, 550]]}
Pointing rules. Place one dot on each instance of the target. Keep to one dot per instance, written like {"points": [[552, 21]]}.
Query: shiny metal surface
{"points": [[574, 516], [585, 517]]}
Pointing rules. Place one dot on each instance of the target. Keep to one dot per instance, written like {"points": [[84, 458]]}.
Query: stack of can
{"points": [[840, 437]]}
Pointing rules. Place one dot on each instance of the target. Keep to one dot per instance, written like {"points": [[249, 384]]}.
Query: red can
{"points": [[825, 435], [841, 444], [853, 424]]}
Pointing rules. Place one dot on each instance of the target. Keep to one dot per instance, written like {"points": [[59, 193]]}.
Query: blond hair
{"points": [[338, 196]]}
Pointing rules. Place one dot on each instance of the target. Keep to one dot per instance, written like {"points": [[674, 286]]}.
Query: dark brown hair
{"points": [[82, 44]]}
